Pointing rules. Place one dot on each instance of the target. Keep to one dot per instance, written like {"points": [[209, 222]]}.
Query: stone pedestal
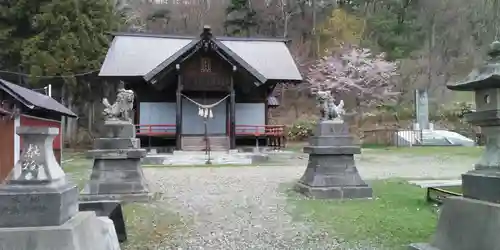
{"points": [[473, 221], [117, 172], [83, 231], [331, 172], [465, 224], [39, 207]]}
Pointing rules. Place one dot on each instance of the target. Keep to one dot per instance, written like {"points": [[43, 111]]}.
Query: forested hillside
{"points": [[433, 42]]}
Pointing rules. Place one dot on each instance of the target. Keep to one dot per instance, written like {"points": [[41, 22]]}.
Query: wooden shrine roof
{"points": [[143, 55]]}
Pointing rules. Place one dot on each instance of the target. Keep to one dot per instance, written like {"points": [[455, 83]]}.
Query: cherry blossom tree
{"points": [[356, 71]]}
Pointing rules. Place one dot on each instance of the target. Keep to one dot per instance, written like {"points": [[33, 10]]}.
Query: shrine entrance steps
{"points": [[198, 143], [186, 158], [241, 156]]}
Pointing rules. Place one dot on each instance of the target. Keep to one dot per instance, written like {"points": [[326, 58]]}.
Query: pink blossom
{"points": [[356, 71]]}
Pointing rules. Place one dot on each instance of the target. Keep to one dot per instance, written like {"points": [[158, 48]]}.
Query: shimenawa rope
{"points": [[205, 110]]}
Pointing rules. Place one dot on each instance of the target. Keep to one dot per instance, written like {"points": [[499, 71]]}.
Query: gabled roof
{"points": [[33, 100], [145, 55], [137, 55]]}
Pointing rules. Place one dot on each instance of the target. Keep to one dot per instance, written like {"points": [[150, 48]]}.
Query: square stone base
{"points": [[84, 231], [121, 178], [119, 129], [123, 198], [466, 224], [346, 192], [482, 184], [37, 205], [99, 186]]}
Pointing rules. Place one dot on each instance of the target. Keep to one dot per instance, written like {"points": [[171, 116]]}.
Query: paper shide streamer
{"points": [[205, 110]]}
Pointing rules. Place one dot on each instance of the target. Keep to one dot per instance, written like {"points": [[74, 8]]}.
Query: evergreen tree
{"points": [[15, 27], [55, 37], [241, 18], [70, 36]]}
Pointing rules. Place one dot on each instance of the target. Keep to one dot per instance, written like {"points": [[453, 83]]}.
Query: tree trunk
{"points": [[64, 119], [70, 131], [432, 28], [315, 37], [91, 116]]}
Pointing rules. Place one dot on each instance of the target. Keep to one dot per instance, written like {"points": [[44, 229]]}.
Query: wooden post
{"points": [[267, 93], [178, 111], [232, 113]]}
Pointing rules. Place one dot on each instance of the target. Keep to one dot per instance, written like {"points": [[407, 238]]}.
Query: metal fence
{"points": [[406, 137]]}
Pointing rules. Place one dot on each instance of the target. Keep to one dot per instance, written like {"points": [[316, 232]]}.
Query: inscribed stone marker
{"points": [[422, 108]]}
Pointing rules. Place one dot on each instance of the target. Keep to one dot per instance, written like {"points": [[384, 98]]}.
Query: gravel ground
{"points": [[244, 207]]}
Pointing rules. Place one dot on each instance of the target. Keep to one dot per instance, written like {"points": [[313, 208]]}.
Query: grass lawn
{"points": [[397, 216], [148, 226], [77, 167]]}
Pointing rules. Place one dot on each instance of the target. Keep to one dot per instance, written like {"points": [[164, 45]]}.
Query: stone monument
{"points": [[39, 207], [472, 221], [117, 172], [331, 172], [422, 110]]}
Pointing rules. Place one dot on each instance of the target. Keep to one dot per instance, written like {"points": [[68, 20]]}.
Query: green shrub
{"points": [[456, 112], [301, 130]]}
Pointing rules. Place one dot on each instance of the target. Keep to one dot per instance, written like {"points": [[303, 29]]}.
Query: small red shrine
{"points": [[20, 106]]}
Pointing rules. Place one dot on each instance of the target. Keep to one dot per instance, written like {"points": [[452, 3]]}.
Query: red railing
{"points": [[260, 130], [241, 130], [155, 129]]}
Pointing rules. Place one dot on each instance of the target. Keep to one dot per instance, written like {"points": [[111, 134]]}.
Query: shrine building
{"points": [[181, 82]]}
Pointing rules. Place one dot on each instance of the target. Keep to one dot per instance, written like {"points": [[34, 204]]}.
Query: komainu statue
{"points": [[122, 108], [328, 109]]}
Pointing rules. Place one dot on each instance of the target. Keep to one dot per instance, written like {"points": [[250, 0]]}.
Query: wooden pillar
{"points": [[266, 114], [178, 110], [266, 106], [232, 113]]}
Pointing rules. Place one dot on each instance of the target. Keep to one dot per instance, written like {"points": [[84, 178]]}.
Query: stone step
{"points": [[202, 148], [195, 158], [198, 143], [201, 153]]}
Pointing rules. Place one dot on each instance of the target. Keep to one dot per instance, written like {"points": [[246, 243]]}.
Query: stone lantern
{"points": [[472, 221]]}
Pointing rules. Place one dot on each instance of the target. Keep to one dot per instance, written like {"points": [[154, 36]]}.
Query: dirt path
{"points": [[245, 207]]}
